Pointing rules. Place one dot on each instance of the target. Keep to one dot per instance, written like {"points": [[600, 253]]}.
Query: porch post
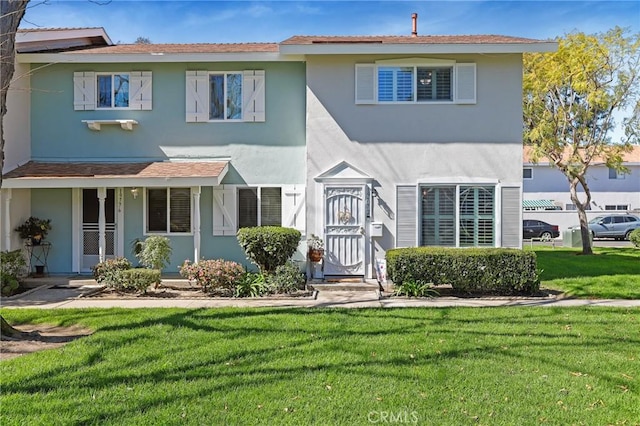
{"points": [[6, 219], [196, 223], [102, 238]]}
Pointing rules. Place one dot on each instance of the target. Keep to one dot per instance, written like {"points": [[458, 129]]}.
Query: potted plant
{"points": [[34, 229], [316, 248]]}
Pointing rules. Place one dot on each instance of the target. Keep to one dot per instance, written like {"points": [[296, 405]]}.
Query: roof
{"points": [[426, 39], [183, 48], [59, 39], [632, 157], [159, 173], [426, 44]]}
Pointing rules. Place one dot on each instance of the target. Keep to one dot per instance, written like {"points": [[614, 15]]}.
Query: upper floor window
{"points": [[408, 84], [168, 210], [415, 80], [614, 174], [225, 96], [113, 90], [127, 90], [616, 207], [527, 173]]}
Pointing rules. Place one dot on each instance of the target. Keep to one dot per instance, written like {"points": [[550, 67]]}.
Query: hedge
{"points": [[468, 270], [269, 246]]}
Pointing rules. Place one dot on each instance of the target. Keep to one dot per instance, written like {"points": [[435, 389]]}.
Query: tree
{"points": [[142, 40], [570, 99], [11, 13]]}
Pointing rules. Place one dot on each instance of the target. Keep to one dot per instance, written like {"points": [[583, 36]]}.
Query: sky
{"points": [[241, 21]]}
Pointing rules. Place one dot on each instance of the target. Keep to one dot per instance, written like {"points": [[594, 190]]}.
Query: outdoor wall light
{"points": [[134, 193]]}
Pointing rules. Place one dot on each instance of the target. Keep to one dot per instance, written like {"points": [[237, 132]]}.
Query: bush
{"points": [[473, 270], [287, 278], [155, 252], [269, 246], [415, 289], [109, 272], [213, 274], [139, 279], [635, 237], [13, 263], [8, 284], [251, 285]]}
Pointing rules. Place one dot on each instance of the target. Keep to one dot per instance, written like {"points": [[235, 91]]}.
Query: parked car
{"points": [[539, 229], [617, 226]]}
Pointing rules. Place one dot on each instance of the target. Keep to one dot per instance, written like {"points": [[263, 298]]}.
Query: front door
{"points": [[90, 227], [344, 221]]}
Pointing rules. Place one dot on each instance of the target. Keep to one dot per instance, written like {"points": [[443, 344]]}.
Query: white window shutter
{"points": [[466, 83], [365, 83], [253, 95], [224, 210], [140, 90], [84, 91], [406, 216], [197, 96], [293, 207], [511, 222]]}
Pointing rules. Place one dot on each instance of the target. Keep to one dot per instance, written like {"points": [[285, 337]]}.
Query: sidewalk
{"points": [[67, 293]]}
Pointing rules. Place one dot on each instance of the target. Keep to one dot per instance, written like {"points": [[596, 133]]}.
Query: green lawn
{"points": [[455, 366], [611, 273]]}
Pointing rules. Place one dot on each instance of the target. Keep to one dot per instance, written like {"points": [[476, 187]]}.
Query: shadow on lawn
{"points": [[556, 264]]}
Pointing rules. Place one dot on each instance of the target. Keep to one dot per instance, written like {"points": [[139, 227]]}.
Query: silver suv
{"points": [[614, 226]]}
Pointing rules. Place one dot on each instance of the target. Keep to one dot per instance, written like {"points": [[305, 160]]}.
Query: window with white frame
{"points": [[457, 215], [119, 90], [168, 210], [614, 174], [259, 207], [416, 80], [527, 173], [112, 90], [225, 96], [616, 207]]}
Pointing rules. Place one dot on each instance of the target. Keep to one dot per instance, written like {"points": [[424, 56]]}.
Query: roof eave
{"points": [[159, 57], [405, 48]]}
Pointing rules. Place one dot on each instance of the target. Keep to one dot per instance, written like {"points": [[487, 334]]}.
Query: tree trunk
{"points": [[11, 13], [7, 332], [585, 233]]}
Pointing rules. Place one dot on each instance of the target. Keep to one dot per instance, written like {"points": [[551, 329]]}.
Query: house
{"points": [[546, 190], [370, 142]]}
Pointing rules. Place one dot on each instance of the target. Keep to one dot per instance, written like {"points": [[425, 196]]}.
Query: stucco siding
{"points": [[16, 125], [259, 152]]}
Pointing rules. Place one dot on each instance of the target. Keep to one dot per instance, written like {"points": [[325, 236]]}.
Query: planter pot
{"points": [[315, 255], [35, 240], [39, 270]]}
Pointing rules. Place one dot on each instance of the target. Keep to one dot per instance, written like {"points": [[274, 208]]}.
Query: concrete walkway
{"points": [[66, 293]]}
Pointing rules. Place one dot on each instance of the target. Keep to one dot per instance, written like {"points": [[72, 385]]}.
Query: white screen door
{"points": [[344, 220], [90, 232]]}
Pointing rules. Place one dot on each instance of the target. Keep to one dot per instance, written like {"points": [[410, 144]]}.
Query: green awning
{"points": [[539, 205]]}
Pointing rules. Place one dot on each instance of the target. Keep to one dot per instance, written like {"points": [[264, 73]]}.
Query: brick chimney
{"points": [[414, 25]]}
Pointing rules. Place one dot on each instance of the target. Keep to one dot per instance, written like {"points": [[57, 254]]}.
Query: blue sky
{"points": [[212, 21]]}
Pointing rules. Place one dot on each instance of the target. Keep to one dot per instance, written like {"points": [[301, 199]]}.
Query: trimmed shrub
{"points": [[269, 246], [154, 252], [635, 237], [108, 272], [8, 284], [251, 285], [470, 270], [213, 274], [13, 263], [286, 278], [139, 279]]}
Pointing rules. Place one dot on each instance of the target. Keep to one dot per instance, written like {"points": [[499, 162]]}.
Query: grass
{"points": [[454, 366], [611, 273]]}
